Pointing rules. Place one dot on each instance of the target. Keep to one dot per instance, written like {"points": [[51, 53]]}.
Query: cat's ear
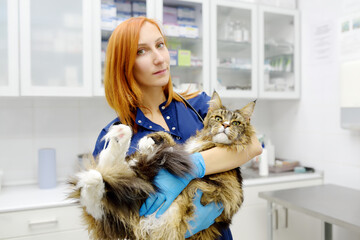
{"points": [[248, 110], [215, 102]]}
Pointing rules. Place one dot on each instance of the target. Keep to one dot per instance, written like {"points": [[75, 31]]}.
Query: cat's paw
{"points": [[146, 145], [92, 190], [121, 133], [118, 139]]}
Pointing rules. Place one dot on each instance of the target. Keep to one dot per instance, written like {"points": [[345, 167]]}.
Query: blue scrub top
{"points": [[181, 120]]}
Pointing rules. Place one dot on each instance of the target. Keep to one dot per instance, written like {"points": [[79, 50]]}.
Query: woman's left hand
{"points": [[204, 216]]}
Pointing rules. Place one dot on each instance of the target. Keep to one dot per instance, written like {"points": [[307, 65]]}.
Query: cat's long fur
{"points": [[112, 190]]}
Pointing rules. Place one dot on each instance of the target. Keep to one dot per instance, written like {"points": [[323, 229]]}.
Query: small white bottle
{"points": [[271, 153], [246, 37], [238, 35], [263, 164]]}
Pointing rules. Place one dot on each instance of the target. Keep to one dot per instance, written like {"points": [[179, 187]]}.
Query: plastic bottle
{"points": [[238, 35], [229, 31], [246, 35], [271, 153], [263, 164]]}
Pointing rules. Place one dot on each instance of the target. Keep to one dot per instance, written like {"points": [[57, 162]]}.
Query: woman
{"points": [[138, 87]]}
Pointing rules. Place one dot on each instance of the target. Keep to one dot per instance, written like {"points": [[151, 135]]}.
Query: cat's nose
{"points": [[226, 125]]}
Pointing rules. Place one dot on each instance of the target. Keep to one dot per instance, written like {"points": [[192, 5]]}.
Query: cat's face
{"points": [[226, 126]]}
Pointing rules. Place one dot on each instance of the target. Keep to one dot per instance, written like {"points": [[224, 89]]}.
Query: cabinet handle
{"points": [[276, 216], [53, 221], [286, 218]]}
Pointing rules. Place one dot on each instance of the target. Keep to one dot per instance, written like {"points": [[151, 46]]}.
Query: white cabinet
{"points": [[186, 27], [106, 15], [234, 48], [49, 223], [254, 50], [186, 24], [279, 53], [9, 55], [55, 47], [230, 47], [251, 221], [238, 49]]}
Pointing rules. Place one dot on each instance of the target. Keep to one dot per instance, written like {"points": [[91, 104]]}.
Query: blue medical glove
{"points": [[170, 186], [204, 216]]}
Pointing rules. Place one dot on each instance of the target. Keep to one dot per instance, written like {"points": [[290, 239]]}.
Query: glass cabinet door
{"points": [[55, 47], [279, 55], [109, 14], [9, 62], [186, 29], [234, 71]]}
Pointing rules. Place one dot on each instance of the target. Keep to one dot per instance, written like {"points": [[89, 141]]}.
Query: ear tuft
{"points": [[215, 102], [248, 110]]}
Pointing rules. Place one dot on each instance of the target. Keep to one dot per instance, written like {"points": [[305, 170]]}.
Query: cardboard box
{"points": [[173, 57], [184, 57]]}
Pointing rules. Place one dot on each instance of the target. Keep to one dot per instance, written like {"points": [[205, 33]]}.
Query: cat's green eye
{"points": [[235, 123], [218, 118]]}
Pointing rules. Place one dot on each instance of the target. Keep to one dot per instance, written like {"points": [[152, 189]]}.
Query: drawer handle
{"points": [[53, 221]]}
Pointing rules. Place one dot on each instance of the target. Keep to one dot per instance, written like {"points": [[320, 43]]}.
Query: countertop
{"points": [[28, 197], [252, 178]]}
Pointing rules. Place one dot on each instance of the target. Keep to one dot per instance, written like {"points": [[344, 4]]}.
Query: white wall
{"points": [[71, 126], [309, 130]]}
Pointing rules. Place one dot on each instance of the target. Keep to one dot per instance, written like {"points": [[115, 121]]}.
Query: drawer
{"points": [[31, 222]]}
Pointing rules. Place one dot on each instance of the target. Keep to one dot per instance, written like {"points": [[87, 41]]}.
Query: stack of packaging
{"points": [[180, 22], [114, 12]]}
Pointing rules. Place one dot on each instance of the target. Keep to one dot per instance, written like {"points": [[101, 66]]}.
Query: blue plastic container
{"points": [[47, 168]]}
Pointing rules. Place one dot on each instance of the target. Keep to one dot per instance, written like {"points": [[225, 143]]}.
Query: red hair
{"points": [[122, 91]]}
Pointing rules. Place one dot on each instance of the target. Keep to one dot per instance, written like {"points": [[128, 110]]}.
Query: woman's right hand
{"points": [[170, 186]]}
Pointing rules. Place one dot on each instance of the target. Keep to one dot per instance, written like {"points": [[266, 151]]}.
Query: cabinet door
{"points": [[55, 47], [233, 49], [279, 53], [295, 225], [9, 60], [251, 221], [186, 26], [108, 14]]}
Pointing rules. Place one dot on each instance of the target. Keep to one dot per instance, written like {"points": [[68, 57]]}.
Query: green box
{"points": [[184, 58]]}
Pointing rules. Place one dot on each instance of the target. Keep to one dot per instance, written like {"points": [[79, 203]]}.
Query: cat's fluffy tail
{"points": [[101, 188]]}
